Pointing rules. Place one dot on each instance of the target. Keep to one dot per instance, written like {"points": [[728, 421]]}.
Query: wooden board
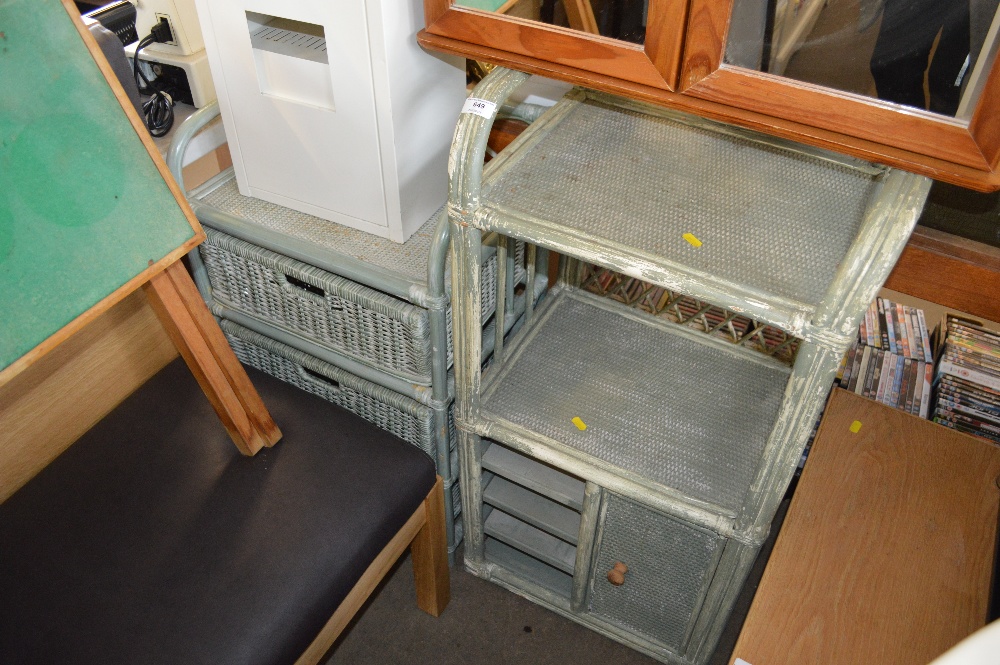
{"points": [[87, 212], [52, 403], [886, 553]]}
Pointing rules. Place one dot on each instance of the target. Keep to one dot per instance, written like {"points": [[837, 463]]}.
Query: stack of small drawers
{"points": [[356, 319]]}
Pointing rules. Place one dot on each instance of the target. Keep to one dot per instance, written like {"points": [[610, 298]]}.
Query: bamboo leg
{"points": [[430, 556], [204, 348]]}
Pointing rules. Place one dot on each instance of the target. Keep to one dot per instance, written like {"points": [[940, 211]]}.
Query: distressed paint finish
{"points": [[826, 329], [431, 295]]}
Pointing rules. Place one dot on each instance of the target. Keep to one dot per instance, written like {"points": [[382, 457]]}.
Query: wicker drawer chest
{"points": [[619, 467], [359, 320]]}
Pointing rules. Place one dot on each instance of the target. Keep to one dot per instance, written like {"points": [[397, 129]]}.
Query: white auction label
{"points": [[480, 107]]}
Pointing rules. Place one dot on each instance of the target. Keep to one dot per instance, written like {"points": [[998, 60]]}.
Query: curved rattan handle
{"points": [[617, 574]]}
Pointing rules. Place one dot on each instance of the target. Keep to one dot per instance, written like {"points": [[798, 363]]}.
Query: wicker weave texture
{"points": [[395, 413], [668, 565], [768, 218], [374, 327], [322, 307], [408, 259], [689, 415]]}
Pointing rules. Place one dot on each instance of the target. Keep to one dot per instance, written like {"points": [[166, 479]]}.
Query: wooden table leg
{"points": [[203, 346]]}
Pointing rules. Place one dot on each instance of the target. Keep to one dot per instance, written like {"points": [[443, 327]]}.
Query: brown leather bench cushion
{"points": [[152, 540]]}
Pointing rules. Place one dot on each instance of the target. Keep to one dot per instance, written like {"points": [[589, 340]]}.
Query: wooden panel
{"points": [[704, 75], [655, 64], [869, 119], [886, 554], [90, 210], [960, 274], [51, 404], [872, 150]]}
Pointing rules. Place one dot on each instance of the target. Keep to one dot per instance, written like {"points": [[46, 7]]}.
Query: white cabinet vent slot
{"points": [[291, 42]]}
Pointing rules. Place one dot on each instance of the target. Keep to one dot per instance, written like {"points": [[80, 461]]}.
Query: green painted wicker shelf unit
{"points": [[601, 436], [359, 320]]}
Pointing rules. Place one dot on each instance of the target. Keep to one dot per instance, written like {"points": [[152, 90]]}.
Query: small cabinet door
{"points": [[665, 567]]}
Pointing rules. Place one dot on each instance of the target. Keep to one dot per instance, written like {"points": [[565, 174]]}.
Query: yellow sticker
{"points": [[856, 426], [691, 239], [580, 425]]}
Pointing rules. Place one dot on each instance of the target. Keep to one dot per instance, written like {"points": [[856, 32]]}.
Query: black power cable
{"points": [[158, 110]]}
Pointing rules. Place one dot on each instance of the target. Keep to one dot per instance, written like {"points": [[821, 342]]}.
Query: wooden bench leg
{"points": [[430, 556], [204, 348]]}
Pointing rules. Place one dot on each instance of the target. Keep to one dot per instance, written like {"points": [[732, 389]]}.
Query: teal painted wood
{"points": [[787, 235], [83, 208]]}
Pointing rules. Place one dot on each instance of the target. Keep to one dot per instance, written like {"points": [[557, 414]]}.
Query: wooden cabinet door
{"points": [[513, 33]]}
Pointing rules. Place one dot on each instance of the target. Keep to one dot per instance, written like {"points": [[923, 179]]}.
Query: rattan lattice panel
{"points": [[668, 565], [686, 414], [408, 259], [395, 413], [330, 310], [379, 329], [691, 312], [600, 172]]}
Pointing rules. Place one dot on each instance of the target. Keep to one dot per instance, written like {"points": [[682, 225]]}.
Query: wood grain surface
{"points": [[886, 553], [959, 274], [52, 403], [653, 64]]}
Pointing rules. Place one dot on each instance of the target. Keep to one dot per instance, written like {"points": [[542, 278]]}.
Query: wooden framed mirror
{"points": [[914, 75], [638, 41], [729, 60]]}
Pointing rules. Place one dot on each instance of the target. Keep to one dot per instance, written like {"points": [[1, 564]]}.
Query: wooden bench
{"points": [[153, 540]]}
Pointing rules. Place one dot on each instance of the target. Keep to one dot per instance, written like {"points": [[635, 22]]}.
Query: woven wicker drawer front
{"points": [[404, 417], [374, 327], [669, 564]]}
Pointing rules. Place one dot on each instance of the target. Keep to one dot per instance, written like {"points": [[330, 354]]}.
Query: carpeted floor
{"points": [[487, 625]]}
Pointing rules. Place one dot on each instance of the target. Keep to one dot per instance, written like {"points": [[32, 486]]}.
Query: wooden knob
{"points": [[617, 574]]}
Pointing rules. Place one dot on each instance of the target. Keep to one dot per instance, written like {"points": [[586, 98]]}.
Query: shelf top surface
{"points": [[756, 212], [408, 259], [688, 414]]}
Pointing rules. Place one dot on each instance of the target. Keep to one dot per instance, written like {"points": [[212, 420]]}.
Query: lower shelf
{"points": [[531, 540], [528, 568], [677, 408]]}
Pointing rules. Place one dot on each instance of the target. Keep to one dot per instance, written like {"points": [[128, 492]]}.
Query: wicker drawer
{"points": [[406, 418], [670, 564], [368, 325]]}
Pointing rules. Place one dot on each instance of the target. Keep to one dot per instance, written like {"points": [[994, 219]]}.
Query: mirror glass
{"points": [[618, 19], [928, 54]]}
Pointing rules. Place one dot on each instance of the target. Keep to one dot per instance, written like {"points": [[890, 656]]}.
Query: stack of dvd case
{"points": [[892, 361], [968, 380]]}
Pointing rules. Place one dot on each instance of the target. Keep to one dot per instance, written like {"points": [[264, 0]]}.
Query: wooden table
{"points": [[886, 553], [89, 213]]}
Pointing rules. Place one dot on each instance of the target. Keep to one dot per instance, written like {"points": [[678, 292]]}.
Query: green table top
{"points": [[83, 207]]}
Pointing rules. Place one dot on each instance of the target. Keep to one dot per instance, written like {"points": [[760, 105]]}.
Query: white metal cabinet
{"points": [[332, 109]]}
